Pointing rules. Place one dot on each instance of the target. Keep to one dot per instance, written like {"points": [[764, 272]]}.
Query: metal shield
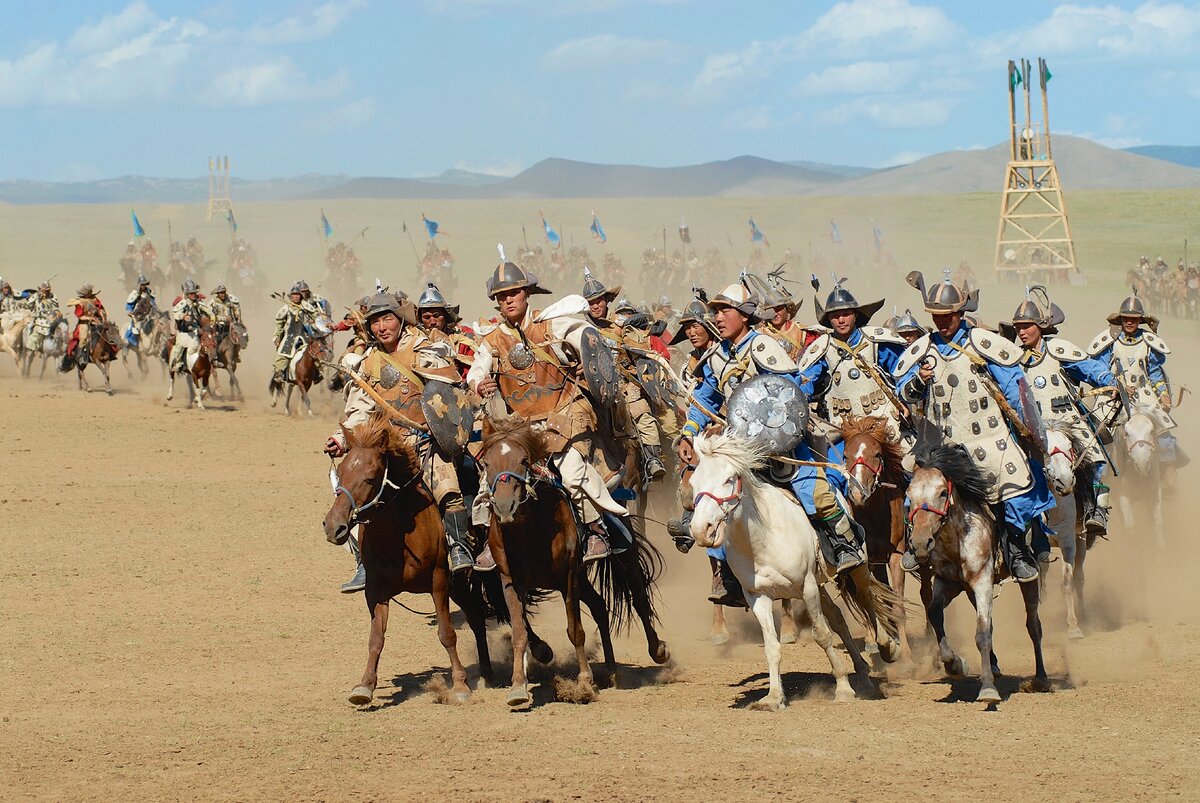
{"points": [[599, 368], [655, 384], [1032, 416], [449, 414], [768, 409]]}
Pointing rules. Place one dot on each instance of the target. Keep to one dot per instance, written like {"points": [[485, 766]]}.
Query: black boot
{"points": [[841, 540], [1095, 518], [1019, 555], [680, 530], [655, 470], [458, 534], [726, 590], [359, 581]]}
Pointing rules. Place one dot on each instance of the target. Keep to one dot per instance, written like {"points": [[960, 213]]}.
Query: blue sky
{"points": [[366, 87]]}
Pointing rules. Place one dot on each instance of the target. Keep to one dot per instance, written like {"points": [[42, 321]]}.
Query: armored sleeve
{"points": [[1155, 372], [910, 386]]}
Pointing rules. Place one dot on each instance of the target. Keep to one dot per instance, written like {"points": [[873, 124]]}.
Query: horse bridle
{"points": [[722, 501], [356, 510], [927, 507]]}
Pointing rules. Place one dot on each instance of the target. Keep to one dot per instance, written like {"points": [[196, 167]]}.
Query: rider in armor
{"points": [[524, 362], [742, 353], [966, 377], [290, 322], [782, 325], [438, 314], [188, 313], [312, 299], [8, 301], [1055, 367], [620, 339], [397, 363], [226, 309], [133, 330], [44, 307], [88, 310], [1137, 357]]}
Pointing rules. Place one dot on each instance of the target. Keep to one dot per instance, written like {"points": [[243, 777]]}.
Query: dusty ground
{"points": [[172, 629]]}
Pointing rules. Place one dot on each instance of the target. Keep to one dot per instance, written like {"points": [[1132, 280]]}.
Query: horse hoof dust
{"points": [[580, 692]]}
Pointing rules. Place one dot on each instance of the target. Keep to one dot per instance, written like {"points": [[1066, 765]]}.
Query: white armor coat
{"points": [[1055, 392], [852, 390], [1137, 362], [761, 354], [289, 327]]}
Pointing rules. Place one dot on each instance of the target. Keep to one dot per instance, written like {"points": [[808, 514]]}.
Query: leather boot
{"points": [[726, 590], [359, 581], [655, 470], [680, 530], [485, 561], [597, 543], [840, 540], [277, 377], [1095, 520], [1018, 555], [457, 524]]}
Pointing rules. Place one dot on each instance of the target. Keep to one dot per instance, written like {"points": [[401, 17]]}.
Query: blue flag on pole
{"points": [[325, 227], [138, 231], [756, 235], [597, 229], [431, 227], [551, 235], [835, 233], [232, 222]]}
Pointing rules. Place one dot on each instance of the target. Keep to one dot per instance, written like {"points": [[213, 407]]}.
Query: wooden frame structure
{"points": [[219, 202], [1033, 240]]}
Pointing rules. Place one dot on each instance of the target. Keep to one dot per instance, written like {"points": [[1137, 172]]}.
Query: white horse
{"points": [[1141, 481], [772, 549], [12, 329], [1064, 452], [54, 345]]}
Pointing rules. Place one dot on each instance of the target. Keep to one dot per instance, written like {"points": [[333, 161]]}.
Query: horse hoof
{"points": [[541, 652], [109, 391], [662, 654], [957, 667], [1075, 634], [462, 697], [717, 639], [988, 694], [890, 651], [361, 695], [517, 696], [843, 695], [786, 638], [769, 704]]}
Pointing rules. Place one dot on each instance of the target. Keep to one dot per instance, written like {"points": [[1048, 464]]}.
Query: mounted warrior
{"points": [[189, 313], [399, 363], [782, 325], [530, 364], [90, 317], [971, 386], [626, 341], [1054, 368], [439, 315], [140, 312], [44, 307], [292, 320], [226, 310], [9, 303]]}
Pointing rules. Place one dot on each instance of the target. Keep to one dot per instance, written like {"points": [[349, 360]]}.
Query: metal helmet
{"points": [[665, 301], [906, 323], [220, 288], [44, 286], [511, 276], [142, 279], [593, 288], [381, 303], [623, 304], [842, 299], [87, 291], [739, 297], [1132, 307], [4, 283], [431, 298], [1037, 308], [774, 291], [695, 312], [945, 296], [302, 285]]}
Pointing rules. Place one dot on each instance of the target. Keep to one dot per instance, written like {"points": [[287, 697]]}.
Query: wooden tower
{"points": [[219, 202], [1033, 241]]}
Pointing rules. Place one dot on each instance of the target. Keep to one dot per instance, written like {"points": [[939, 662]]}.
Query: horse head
{"points": [[508, 454], [946, 480], [208, 338], [375, 459], [1141, 441], [930, 496], [1062, 457], [238, 333], [724, 464], [869, 453]]}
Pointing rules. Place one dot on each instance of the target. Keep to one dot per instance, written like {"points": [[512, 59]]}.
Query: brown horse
{"points": [[536, 542], [102, 346], [201, 369], [877, 484], [229, 354], [403, 547], [307, 373]]}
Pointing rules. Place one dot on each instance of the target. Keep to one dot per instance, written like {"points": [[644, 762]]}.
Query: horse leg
{"points": [[787, 624], [980, 595], [896, 581], [719, 634], [1068, 544], [107, 382], [307, 401], [365, 690], [824, 638], [287, 400], [171, 386], [595, 603], [943, 593], [639, 592], [876, 631], [446, 635], [518, 693], [1033, 625], [1077, 590], [575, 628], [763, 608], [83, 385], [472, 609], [235, 388], [833, 615]]}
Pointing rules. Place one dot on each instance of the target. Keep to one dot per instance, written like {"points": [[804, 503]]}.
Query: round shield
{"points": [[768, 409], [599, 368], [449, 414], [657, 386]]}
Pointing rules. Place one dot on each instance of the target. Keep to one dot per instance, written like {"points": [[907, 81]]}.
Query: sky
{"points": [[92, 89]]}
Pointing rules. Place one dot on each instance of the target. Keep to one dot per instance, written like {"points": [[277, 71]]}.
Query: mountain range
{"points": [[1083, 164]]}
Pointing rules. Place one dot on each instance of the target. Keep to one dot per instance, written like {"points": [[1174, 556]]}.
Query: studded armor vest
{"points": [[530, 376], [852, 391]]}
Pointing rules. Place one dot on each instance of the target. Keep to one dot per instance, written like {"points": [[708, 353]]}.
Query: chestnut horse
{"points": [[101, 348], [200, 367], [877, 484], [536, 542], [304, 373], [229, 354], [403, 547]]}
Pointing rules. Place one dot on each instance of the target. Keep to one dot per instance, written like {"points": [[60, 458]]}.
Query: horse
{"points": [[954, 529], [304, 372], [104, 341], [771, 547], [229, 351], [199, 366], [535, 539], [1141, 481], [54, 344], [874, 471], [403, 548], [1064, 452], [12, 331], [154, 330]]}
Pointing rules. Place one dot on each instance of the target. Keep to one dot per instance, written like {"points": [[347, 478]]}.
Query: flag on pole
{"points": [[431, 226], [1046, 74], [138, 231], [552, 236], [325, 227], [685, 235], [835, 233], [756, 235], [232, 221], [597, 230], [877, 234], [1014, 75]]}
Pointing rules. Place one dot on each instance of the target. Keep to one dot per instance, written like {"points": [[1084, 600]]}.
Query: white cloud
{"points": [[858, 78], [1108, 141], [113, 29], [757, 118], [477, 8], [606, 51], [319, 24], [891, 111], [1156, 31], [505, 167], [271, 82]]}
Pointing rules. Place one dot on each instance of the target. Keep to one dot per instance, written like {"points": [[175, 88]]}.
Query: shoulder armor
{"points": [[815, 351], [1100, 343], [880, 334], [1157, 343], [770, 357], [1064, 350], [994, 347], [911, 356]]}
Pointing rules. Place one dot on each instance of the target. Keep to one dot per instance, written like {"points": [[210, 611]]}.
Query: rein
{"points": [[722, 501], [926, 506], [356, 510]]}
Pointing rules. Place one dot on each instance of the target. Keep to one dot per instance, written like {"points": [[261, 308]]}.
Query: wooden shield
{"points": [[450, 416], [599, 368]]}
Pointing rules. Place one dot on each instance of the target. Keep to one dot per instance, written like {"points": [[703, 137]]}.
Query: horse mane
{"points": [[516, 430], [743, 454], [380, 434], [956, 464], [876, 428]]}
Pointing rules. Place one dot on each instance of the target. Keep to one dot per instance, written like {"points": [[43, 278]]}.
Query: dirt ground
{"points": [[172, 629]]}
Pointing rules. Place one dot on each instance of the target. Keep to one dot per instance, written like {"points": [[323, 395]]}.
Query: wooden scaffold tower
{"points": [[1033, 241], [219, 202]]}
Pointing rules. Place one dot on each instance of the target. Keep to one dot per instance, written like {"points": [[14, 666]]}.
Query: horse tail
{"points": [[619, 589], [489, 591], [879, 604]]}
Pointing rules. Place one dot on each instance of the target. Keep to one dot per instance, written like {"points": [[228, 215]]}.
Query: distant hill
{"points": [[1186, 155], [143, 189], [849, 171]]}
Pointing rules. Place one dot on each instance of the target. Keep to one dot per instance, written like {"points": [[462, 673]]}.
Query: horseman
{"points": [[317, 302], [90, 315], [138, 317], [1054, 368], [9, 303], [523, 362], [969, 382], [189, 313], [439, 315], [742, 353], [782, 325], [1137, 357], [622, 339], [291, 322], [400, 359], [226, 310], [907, 327], [850, 368], [44, 307]]}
